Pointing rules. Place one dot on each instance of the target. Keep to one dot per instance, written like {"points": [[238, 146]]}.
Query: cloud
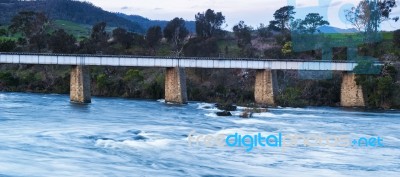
{"points": [[252, 12], [336, 3], [314, 3]]}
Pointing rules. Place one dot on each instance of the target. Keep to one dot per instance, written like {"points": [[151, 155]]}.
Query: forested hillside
{"points": [[69, 10], [147, 23], [81, 13]]}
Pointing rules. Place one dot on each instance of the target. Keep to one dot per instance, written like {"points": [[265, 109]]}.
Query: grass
{"points": [[332, 40], [8, 38], [13, 37], [385, 35], [77, 30], [233, 49]]}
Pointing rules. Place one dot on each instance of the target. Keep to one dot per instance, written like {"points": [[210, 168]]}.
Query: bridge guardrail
{"points": [[170, 57]]}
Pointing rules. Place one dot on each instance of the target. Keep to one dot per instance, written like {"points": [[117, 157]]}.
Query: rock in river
{"points": [[224, 113]]}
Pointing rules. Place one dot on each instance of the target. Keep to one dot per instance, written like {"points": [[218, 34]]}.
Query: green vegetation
{"points": [[380, 89], [283, 38], [69, 10], [175, 32], [291, 97], [7, 45], [8, 79], [79, 31], [243, 35]]}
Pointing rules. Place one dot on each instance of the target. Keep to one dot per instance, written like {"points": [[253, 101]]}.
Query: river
{"points": [[46, 135]]}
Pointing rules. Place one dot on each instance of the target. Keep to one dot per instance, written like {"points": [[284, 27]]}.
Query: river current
{"points": [[46, 135]]}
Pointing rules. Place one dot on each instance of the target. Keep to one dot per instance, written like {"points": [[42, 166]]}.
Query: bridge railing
{"points": [[173, 57], [189, 62]]}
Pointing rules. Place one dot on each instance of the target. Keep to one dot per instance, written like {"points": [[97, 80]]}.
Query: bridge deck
{"points": [[145, 61]]}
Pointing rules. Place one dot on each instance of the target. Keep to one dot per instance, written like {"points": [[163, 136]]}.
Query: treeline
{"points": [[275, 40], [146, 23], [34, 34], [70, 10]]}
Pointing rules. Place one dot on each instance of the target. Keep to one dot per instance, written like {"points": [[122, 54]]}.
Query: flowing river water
{"points": [[46, 135]]}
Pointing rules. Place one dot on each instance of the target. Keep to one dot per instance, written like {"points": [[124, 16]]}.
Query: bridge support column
{"points": [[175, 86], [80, 85], [265, 87], [351, 94]]}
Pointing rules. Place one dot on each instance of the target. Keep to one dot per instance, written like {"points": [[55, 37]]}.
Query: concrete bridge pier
{"points": [[265, 87], [351, 94], [80, 85], [175, 86]]}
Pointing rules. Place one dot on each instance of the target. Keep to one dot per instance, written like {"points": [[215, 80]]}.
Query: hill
{"points": [[146, 23], [331, 29], [67, 10]]}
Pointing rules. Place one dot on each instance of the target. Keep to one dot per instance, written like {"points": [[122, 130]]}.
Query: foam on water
{"points": [[207, 107], [211, 114], [236, 130], [249, 121], [161, 143], [241, 107], [272, 115], [48, 136], [161, 100], [265, 114]]}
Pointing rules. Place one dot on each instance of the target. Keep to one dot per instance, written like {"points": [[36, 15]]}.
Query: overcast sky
{"points": [[252, 12]]}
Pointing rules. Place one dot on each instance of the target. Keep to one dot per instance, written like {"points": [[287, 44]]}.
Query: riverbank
{"points": [[226, 86]]}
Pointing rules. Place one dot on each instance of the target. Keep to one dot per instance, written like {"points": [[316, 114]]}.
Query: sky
{"points": [[252, 12]]}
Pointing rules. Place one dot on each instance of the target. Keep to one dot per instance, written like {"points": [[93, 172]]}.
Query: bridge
{"points": [[175, 79]]}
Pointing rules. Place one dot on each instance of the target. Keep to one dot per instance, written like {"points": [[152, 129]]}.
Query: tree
{"points": [[273, 25], [208, 27], [123, 37], [62, 42], [133, 79], [3, 32], [99, 33], [208, 23], [200, 47], [138, 40], [154, 36], [312, 21], [263, 31], [39, 42], [85, 47], [98, 37], [396, 38], [30, 24], [7, 45], [297, 27], [377, 88], [282, 16], [243, 35], [175, 32], [124, 42], [287, 48], [97, 42], [369, 14]]}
